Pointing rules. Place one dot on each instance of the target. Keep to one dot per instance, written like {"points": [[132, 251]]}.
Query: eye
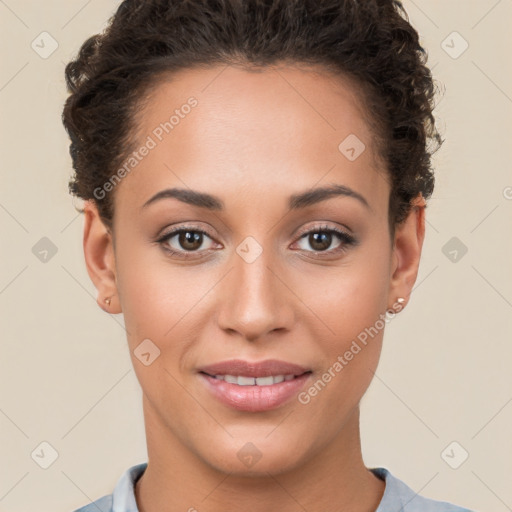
{"points": [[321, 238], [185, 242], [190, 242]]}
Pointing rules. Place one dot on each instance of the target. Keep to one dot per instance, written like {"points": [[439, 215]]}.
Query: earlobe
{"points": [[409, 237], [99, 258]]}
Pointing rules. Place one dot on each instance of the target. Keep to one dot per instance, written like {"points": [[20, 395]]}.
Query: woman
{"points": [[255, 176]]}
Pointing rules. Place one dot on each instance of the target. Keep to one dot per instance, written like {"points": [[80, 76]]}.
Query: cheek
{"points": [[165, 303], [154, 294], [353, 309], [352, 298], [352, 303]]}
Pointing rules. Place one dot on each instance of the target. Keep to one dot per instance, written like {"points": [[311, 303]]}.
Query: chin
{"points": [[254, 458]]}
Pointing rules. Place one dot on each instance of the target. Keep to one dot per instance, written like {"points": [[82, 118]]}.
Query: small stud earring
{"points": [[108, 300], [400, 300]]}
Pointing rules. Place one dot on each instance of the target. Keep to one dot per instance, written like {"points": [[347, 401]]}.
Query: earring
{"points": [[400, 300], [108, 300]]}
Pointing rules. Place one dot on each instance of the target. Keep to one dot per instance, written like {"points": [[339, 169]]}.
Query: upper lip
{"points": [[238, 367]]}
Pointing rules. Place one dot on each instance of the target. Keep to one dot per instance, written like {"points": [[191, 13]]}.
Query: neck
{"points": [[177, 479]]}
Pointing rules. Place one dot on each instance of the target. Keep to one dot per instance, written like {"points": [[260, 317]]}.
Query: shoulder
{"points": [[122, 498], [397, 493], [103, 504]]}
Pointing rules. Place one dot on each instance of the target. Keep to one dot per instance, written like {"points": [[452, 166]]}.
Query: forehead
{"points": [[224, 129]]}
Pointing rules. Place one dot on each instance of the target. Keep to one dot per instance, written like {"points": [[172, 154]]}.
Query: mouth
{"points": [[254, 387], [245, 380]]}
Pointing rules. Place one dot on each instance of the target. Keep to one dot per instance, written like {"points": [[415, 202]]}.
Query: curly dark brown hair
{"points": [[371, 42]]}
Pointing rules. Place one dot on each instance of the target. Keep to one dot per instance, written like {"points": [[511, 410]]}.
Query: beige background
{"points": [[66, 375]]}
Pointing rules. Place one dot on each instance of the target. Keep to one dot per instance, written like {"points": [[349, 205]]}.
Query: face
{"points": [[262, 268]]}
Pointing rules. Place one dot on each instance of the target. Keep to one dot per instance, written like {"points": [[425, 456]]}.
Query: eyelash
{"points": [[346, 239]]}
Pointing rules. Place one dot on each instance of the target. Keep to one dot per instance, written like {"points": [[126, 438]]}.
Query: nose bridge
{"points": [[254, 300]]}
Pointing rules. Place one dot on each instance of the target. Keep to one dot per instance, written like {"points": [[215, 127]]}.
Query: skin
{"points": [[254, 139]]}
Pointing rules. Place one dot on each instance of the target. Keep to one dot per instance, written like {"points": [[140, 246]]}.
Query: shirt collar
{"points": [[123, 497]]}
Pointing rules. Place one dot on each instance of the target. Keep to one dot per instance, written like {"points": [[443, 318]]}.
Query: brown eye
{"points": [[320, 241], [190, 240], [185, 242]]}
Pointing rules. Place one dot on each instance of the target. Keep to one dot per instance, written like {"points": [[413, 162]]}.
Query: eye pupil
{"points": [[320, 241], [188, 240]]}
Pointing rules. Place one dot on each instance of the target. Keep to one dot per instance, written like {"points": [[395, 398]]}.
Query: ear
{"points": [[99, 258], [408, 243]]}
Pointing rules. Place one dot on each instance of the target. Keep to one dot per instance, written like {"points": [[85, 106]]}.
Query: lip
{"points": [[254, 398], [254, 369]]}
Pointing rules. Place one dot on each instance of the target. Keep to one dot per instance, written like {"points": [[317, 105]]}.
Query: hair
{"points": [[370, 42]]}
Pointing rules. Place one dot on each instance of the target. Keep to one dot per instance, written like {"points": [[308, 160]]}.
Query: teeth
{"points": [[241, 380], [245, 381], [265, 381]]}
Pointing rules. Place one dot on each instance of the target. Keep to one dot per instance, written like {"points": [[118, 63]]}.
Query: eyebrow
{"points": [[295, 202]]}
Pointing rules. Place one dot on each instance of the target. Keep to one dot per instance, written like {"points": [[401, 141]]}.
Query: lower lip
{"points": [[255, 398]]}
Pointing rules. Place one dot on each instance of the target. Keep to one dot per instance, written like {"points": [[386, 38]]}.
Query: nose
{"points": [[255, 300]]}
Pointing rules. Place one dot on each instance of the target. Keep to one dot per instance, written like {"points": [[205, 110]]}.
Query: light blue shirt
{"points": [[398, 497]]}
